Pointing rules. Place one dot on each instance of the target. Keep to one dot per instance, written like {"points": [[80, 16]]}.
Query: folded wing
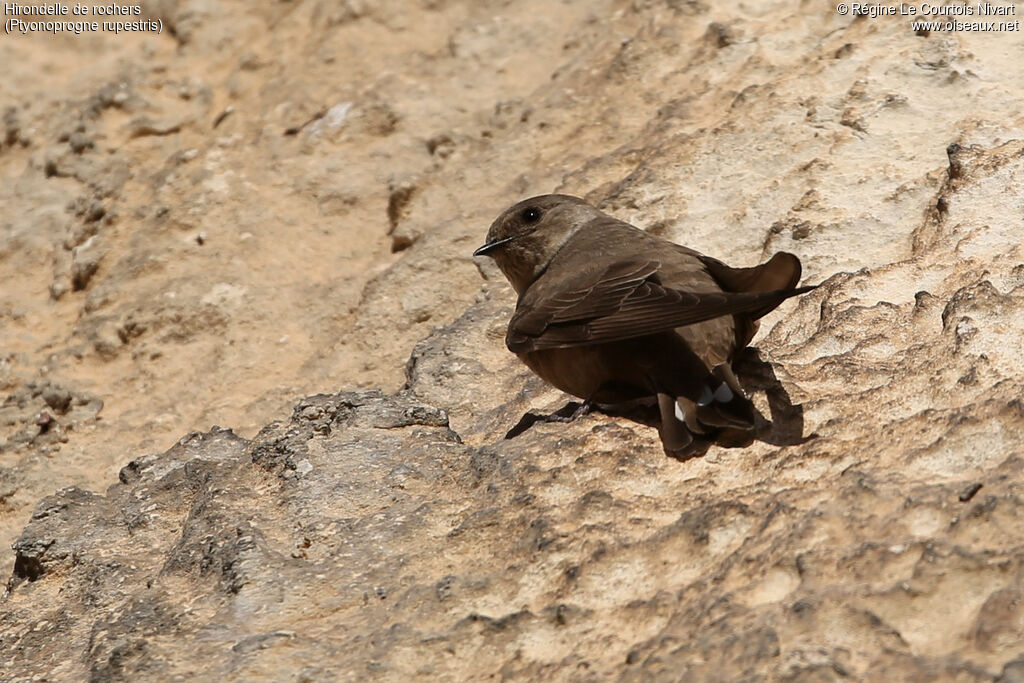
{"points": [[624, 301]]}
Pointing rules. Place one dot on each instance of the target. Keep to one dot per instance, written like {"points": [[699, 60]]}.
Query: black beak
{"points": [[490, 246]]}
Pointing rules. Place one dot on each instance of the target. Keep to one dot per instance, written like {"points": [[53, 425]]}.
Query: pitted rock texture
{"points": [[280, 200], [363, 539]]}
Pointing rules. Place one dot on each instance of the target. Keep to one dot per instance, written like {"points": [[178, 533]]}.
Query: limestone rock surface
{"points": [[271, 201]]}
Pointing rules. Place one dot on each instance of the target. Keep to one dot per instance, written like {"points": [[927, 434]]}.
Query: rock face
{"points": [[180, 250]]}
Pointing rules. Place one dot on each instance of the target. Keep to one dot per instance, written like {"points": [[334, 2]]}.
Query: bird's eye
{"points": [[531, 215]]}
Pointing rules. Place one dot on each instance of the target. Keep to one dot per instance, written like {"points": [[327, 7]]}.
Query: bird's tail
{"points": [[721, 404], [731, 411]]}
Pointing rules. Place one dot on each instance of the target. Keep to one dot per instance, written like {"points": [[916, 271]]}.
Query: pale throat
{"points": [[522, 263], [519, 273]]}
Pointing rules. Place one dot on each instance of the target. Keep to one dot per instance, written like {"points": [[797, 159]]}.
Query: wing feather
{"points": [[625, 301]]}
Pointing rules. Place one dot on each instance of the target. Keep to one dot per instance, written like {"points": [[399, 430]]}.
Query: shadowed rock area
{"points": [[276, 201]]}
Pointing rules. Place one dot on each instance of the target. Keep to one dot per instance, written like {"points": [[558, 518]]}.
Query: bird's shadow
{"points": [[785, 428]]}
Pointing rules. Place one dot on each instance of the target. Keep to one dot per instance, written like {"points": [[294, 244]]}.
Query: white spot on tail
{"points": [[723, 394]]}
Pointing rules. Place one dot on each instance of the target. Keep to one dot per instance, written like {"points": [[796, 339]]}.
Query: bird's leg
{"points": [[570, 412], [580, 409]]}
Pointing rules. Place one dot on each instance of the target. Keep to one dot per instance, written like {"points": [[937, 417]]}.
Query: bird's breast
{"points": [[579, 370]]}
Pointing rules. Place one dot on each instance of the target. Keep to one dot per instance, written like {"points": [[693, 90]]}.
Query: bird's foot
{"points": [[570, 412]]}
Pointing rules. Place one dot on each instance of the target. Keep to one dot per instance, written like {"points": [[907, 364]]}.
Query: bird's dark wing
{"points": [[780, 272], [624, 301]]}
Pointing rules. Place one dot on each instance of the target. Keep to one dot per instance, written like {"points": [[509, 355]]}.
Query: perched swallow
{"points": [[611, 314]]}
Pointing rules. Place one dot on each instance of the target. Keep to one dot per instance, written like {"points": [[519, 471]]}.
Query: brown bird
{"points": [[613, 315]]}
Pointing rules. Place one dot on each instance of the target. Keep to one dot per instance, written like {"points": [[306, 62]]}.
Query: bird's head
{"points": [[526, 236]]}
